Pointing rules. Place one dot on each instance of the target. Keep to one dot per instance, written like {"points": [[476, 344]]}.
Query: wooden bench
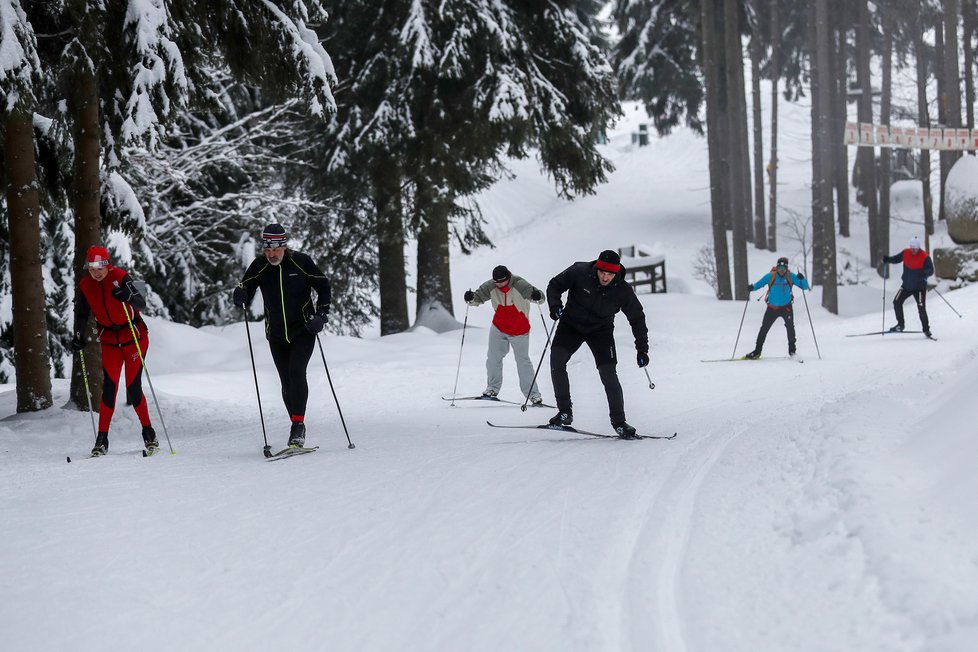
{"points": [[643, 268]]}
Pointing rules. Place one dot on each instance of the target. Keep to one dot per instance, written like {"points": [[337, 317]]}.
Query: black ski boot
{"points": [[624, 431], [101, 444], [896, 329], [562, 418], [297, 435], [149, 439], [753, 355]]}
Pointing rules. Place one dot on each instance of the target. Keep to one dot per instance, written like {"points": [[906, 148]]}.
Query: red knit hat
{"points": [[98, 257]]}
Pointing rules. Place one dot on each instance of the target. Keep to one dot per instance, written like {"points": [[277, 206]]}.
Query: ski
{"points": [[495, 399], [884, 333], [761, 359], [89, 456], [578, 431], [289, 452]]}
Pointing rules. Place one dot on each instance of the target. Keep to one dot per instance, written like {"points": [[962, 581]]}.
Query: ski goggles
{"points": [[782, 265]]}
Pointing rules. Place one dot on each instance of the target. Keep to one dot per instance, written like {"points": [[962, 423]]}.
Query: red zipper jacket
{"points": [[109, 312]]}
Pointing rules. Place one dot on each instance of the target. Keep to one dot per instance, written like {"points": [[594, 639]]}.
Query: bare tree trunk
{"points": [[737, 125], [840, 91], [923, 118], [715, 126], [823, 217], [772, 166], [31, 358], [87, 141], [951, 97], [390, 250], [970, 24], [434, 277], [760, 223], [886, 153], [866, 156]]}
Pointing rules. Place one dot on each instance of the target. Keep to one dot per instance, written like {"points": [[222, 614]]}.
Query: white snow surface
{"points": [[827, 506]]}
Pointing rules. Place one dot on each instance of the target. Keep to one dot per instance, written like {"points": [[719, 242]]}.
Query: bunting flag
{"points": [[860, 134]]}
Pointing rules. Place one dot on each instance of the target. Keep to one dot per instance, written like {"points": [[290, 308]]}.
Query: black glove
{"points": [[318, 321], [801, 277], [240, 297], [121, 293], [642, 358], [468, 296], [77, 342], [556, 312], [750, 288], [536, 295]]}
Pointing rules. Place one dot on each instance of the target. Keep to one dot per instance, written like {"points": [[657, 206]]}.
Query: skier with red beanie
{"points": [[109, 294]]}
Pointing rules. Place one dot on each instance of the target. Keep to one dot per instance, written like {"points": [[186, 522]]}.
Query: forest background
{"points": [[173, 131]]}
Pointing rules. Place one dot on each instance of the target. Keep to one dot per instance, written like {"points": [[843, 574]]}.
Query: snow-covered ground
{"points": [[827, 506]]}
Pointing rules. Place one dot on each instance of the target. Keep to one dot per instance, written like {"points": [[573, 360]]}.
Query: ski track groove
{"points": [[664, 538]]}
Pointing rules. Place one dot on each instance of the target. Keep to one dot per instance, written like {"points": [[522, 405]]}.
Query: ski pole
{"points": [[746, 303], [651, 384], [268, 449], [88, 392], [330, 379], [459, 368], [142, 360], [805, 297], [542, 354], [883, 327], [947, 302]]}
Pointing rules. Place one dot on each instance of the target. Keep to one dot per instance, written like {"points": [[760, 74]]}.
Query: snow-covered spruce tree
{"points": [[448, 90], [657, 60], [20, 74]]}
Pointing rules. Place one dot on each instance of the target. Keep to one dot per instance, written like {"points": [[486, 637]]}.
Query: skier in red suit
{"points": [[110, 295]]}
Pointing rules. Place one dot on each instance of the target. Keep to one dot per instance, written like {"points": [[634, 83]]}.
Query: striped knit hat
{"points": [[274, 236], [98, 257]]}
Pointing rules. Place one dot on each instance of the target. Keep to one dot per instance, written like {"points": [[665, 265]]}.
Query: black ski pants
{"points": [[771, 315], [920, 296], [291, 360], [567, 341]]}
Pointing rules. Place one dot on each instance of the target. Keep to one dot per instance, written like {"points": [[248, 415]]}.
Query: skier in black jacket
{"points": [[286, 279], [596, 292]]}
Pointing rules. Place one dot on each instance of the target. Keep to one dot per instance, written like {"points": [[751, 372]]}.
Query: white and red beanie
{"points": [[98, 257], [915, 243]]}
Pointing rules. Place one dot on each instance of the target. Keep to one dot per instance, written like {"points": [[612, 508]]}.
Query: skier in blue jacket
{"points": [[779, 284]]}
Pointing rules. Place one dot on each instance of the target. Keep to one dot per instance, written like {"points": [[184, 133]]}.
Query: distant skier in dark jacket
{"points": [[596, 292], [110, 295], [917, 268], [286, 279], [779, 298]]}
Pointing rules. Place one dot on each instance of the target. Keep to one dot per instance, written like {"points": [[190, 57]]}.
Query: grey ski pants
{"points": [[499, 344]]}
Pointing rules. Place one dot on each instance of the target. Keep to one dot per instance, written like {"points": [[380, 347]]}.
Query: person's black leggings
{"points": [[920, 296], [566, 342], [291, 360], [771, 315]]}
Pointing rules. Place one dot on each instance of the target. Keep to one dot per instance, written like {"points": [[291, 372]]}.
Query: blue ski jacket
{"points": [[779, 294]]}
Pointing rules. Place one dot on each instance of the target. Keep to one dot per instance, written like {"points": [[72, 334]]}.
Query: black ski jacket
{"points": [[286, 290], [592, 306]]}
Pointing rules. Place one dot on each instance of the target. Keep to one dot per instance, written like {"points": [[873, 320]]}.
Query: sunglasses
{"points": [[782, 265], [98, 264]]}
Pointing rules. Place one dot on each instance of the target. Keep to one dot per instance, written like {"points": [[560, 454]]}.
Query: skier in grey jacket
{"points": [[511, 297]]}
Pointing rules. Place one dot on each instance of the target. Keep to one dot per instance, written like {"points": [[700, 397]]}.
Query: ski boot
{"points": [[896, 329], [562, 418], [624, 431], [490, 394], [101, 444], [297, 435], [753, 355], [536, 401], [149, 439]]}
